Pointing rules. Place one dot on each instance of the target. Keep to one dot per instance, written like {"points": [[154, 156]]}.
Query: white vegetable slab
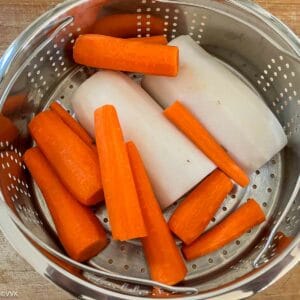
{"points": [[236, 116], [173, 163]]}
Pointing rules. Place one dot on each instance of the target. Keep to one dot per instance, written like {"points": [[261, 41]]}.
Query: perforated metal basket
{"points": [[38, 68]]}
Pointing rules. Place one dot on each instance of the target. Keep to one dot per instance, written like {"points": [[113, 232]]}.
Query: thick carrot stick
{"points": [[8, 130], [195, 131], [72, 123], [68, 267], [194, 214], [79, 230], [156, 39], [73, 160], [244, 218], [121, 198], [165, 262], [129, 25], [105, 52]]}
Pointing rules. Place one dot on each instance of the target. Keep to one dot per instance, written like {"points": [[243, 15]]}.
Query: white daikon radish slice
{"points": [[232, 112], [174, 164]]}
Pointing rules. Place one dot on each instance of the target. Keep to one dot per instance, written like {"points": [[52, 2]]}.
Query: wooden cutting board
{"points": [[15, 273]]}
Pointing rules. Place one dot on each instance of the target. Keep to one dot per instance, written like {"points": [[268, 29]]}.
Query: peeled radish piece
{"points": [[174, 164], [235, 115]]}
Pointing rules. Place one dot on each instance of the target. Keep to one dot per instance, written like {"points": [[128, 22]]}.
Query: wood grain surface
{"points": [[15, 273]]}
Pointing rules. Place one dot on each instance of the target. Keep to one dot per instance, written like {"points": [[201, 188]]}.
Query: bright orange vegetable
{"points": [[156, 39], [240, 221], [281, 242], [79, 230], [105, 52], [121, 198], [184, 120], [8, 130], [194, 213], [163, 257], [72, 123], [73, 160], [129, 25]]}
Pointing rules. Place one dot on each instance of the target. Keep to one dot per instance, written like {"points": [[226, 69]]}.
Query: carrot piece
{"points": [[194, 214], [79, 230], [73, 160], [121, 198], [165, 262], [71, 122], [63, 264], [127, 25], [107, 52], [8, 130], [244, 218], [156, 39], [195, 131], [281, 242]]}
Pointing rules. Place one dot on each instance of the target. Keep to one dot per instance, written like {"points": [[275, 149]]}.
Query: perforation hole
{"points": [[194, 266]]}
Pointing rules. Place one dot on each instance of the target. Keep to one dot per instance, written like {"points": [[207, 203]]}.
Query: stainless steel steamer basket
{"points": [[38, 68]]}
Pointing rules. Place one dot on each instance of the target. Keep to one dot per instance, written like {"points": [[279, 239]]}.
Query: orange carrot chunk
{"points": [[240, 221], [165, 262], [8, 130], [73, 160], [78, 229], [100, 51], [195, 212], [156, 39], [184, 120], [71, 122], [129, 25], [121, 198]]}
